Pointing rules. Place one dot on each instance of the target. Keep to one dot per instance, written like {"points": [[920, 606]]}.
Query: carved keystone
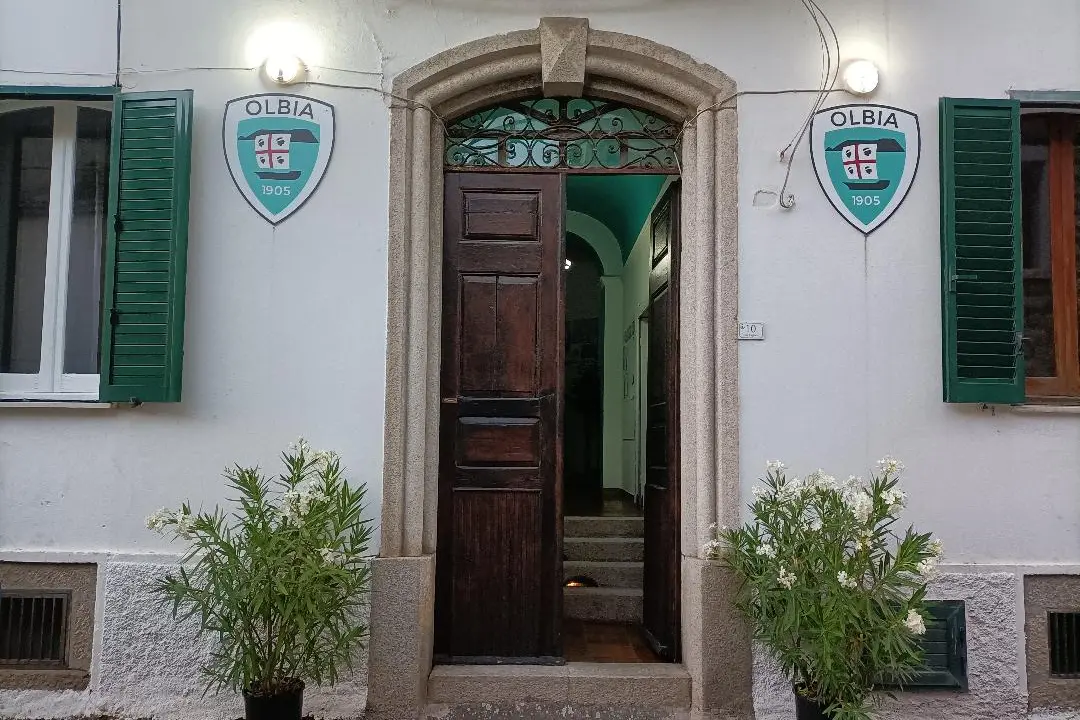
{"points": [[563, 42]]}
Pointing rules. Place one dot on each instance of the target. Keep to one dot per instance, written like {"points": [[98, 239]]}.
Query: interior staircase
{"points": [[610, 551]]}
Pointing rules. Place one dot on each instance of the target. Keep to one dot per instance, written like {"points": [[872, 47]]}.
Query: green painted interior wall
{"points": [[622, 204]]}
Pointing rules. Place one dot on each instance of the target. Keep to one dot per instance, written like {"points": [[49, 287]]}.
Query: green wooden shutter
{"points": [[142, 338], [981, 259]]}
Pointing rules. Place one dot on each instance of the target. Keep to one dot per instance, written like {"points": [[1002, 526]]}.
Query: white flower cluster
{"points": [[785, 578], [296, 501], [766, 550], [894, 499], [914, 622], [331, 556], [775, 466], [857, 498], [300, 447], [303, 447], [183, 522], [160, 519], [712, 549], [890, 465], [845, 580], [819, 480], [928, 567], [326, 456]]}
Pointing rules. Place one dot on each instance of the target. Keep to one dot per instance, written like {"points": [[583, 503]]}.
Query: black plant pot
{"points": [[286, 705], [807, 709]]}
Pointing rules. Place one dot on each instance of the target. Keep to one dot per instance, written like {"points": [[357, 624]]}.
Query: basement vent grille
{"points": [[33, 628], [1064, 641]]}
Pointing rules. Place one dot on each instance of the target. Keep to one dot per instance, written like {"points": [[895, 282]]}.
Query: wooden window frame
{"points": [[1063, 128], [51, 382]]}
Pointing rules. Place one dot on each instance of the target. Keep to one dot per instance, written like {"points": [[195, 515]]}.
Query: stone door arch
{"points": [[562, 57]]}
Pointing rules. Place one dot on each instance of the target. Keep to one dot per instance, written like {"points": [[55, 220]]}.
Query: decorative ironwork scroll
{"points": [[563, 134]]}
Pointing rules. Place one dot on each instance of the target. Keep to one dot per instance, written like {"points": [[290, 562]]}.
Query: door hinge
{"points": [[114, 317]]}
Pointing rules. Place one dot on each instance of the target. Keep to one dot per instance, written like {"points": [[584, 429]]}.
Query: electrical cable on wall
{"points": [[830, 76]]}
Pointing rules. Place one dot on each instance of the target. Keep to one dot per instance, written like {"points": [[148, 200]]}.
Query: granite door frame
{"points": [[561, 57]]}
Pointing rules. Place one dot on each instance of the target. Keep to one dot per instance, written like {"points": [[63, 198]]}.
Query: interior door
{"points": [[499, 558], [662, 506]]}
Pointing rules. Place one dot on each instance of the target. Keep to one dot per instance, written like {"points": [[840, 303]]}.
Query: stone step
{"points": [[604, 604], [641, 691], [604, 549], [606, 574], [584, 526]]}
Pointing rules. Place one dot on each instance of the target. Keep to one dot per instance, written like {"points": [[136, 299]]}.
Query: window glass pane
{"points": [[88, 229], [1038, 285], [25, 176]]}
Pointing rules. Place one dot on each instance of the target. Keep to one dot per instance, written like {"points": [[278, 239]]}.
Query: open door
{"points": [[662, 502], [499, 559]]}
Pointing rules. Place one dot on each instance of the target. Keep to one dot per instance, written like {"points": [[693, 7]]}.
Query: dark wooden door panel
{"points": [[498, 573], [498, 334], [497, 584], [662, 590]]}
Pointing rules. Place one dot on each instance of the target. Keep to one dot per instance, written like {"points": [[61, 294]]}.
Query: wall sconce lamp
{"points": [[284, 69], [861, 77]]}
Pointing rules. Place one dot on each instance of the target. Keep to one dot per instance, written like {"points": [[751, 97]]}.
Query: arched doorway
{"points": [[522, 386], [563, 57]]}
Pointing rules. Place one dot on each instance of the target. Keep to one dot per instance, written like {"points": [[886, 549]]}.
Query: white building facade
{"points": [[327, 323]]}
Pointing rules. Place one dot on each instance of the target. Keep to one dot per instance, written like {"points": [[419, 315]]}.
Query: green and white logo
{"points": [[277, 148], [866, 158]]}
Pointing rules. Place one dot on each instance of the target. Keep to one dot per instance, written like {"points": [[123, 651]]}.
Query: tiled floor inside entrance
{"points": [[603, 642]]}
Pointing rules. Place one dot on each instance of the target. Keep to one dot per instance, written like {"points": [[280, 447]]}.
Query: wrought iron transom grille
{"points": [[1064, 641], [33, 628], [563, 134]]}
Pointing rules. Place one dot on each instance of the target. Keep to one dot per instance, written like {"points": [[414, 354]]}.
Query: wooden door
{"points": [[499, 561], [662, 502]]}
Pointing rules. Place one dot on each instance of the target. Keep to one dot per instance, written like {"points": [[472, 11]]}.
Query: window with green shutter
{"points": [[982, 307], [142, 340], [1009, 214], [93, 240]]}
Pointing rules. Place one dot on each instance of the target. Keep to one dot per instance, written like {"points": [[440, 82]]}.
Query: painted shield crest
{"points": [[277, 148], [866, 158]]}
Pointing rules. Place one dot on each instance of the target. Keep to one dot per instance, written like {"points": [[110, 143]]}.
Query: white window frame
{"points": [[51, 382]]}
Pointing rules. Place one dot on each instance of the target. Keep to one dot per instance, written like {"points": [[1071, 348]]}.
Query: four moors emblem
{"points": [[865, 157], [277, 148]]}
